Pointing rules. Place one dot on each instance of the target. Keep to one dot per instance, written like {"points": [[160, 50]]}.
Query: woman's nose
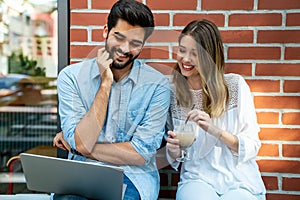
{"points": [[186, 57]]}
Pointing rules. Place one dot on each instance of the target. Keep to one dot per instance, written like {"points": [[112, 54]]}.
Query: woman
{"points": [[222, 159]]}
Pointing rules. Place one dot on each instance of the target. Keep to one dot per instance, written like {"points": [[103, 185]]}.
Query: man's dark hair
{"points": [[133, 12]]}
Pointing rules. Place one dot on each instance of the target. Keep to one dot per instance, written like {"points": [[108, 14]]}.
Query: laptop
{"points": [[62, 176]]}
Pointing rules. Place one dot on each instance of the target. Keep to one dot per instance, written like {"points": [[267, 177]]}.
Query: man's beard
{"points": [[117, 65]]}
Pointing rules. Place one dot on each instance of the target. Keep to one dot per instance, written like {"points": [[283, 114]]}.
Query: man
{"points": [[114, 109]]}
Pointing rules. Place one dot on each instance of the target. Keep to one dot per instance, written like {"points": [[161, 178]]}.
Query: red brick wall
{"points": [[262, 43]]}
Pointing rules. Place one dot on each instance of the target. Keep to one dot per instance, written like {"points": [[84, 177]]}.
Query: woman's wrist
{"points": [[215, 131], [173, 154]]}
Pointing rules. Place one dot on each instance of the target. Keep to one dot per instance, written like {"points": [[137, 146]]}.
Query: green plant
{"points": [[20, 64]]}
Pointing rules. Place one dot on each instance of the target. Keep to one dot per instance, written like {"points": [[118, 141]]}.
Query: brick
{"points": [[167, 193], [78, 4], [83, 51], [282, 197], [161, 19], [267, 117], [280, 134], [163, 179], [291, 86], [292, 19], [291, 184], [78, 35], [170, 5], [83, 19], [74, 62], [291, 150], [106, 5], [278, 36], [264, 85], [269, 150], [254, 53], [279, 166], [182, 19], [97, 35], [163, 64], [244, 69], [271, 182], [164, 36], [163, 68], [292, 53], [278, 4], [174, 52], [167, 168], [279, 102], [161, 159], [291, 118], [155, 52], [277, 69], [237, 36], [175, 178], [227, 5], [269, 19]]}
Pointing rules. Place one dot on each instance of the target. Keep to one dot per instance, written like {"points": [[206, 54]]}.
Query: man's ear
{"points": [[105, 31]]}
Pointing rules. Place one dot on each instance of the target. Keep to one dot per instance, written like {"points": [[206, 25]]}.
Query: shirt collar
{"points": [[95, 73], [134, 73]]}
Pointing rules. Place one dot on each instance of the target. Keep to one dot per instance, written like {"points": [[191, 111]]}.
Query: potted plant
{"points": [[20, 64]]}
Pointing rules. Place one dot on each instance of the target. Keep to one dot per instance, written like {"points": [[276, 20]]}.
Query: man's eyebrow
{"points": [[119, 34], [134, 40]]}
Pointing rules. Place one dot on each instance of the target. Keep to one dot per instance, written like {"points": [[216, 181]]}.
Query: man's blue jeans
{"points": [[131, 193]]}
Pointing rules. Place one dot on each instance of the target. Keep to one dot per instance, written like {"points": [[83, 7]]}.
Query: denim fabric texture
{"points": [[144, 103]]}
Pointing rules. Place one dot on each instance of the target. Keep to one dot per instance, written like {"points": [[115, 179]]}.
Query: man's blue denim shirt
{"points": [[144, 103]]}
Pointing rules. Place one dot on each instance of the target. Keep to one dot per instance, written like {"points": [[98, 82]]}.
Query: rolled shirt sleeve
{"points": [[148, 135], [249, 142], [71, 92]]}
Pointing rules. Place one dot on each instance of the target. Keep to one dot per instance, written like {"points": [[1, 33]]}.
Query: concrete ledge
{"points": [[25, 197], [15, 177]]}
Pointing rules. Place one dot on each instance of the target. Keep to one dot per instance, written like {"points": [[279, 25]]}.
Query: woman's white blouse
{"points": [[211, 160]]}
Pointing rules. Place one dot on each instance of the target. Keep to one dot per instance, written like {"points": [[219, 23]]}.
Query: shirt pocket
{"points": [[136, 116], [134, 120]]}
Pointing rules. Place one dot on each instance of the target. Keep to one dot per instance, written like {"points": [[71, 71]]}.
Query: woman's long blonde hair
{"points": [[211, 69]]}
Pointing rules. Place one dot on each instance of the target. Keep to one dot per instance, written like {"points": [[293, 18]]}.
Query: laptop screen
{"points": [[62, 176]]}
